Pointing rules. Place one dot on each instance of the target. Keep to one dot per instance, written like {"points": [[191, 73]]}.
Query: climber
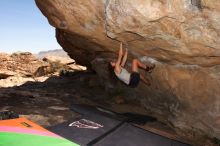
{"points": [[131, 79]]}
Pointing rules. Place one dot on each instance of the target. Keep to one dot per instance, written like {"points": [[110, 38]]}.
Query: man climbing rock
{"points": [[131, 79]]}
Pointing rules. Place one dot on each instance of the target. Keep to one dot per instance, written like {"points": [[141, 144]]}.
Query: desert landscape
{"points": [[181, 38]]}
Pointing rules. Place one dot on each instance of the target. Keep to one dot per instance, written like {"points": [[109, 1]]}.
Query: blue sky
{"points": [[24, 28]]}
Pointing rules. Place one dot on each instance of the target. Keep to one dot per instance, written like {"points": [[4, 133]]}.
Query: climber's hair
{"points": [[112, 72], [111, 68]]}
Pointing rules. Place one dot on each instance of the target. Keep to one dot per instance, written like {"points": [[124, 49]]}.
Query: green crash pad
{"points": [[14, 139], [22, 132]]}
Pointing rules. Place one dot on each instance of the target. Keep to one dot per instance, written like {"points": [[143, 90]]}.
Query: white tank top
{"points": [[124, 76]]}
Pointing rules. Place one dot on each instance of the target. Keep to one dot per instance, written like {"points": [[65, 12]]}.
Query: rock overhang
{"points": [[182, 37]]}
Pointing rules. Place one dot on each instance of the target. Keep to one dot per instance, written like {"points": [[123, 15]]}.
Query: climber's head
{"points": [[113, 63]]}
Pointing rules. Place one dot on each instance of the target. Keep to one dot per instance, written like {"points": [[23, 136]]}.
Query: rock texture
{"points": [[18, 68], [19, 63], [180, 36], [62, 60]]}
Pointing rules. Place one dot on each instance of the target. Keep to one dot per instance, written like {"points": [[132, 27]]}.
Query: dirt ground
{"points": [[48, 103]]}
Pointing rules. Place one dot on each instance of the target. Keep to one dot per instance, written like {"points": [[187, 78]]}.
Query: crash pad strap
{"points": [[105, 134]]}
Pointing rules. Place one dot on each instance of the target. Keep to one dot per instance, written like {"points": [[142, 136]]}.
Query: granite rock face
{"points": [[180, 36]]}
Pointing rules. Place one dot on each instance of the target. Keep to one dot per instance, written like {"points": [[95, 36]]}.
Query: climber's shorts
{"points": [[134, 79]]}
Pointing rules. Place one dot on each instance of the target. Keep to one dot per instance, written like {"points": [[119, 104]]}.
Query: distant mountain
{"points": [[58, 52]]}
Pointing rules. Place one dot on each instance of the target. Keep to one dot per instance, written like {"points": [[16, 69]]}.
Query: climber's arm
{"points": [[120, 54], [124, 59]]}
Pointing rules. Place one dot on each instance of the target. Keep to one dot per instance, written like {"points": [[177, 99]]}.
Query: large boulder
{"points": [[18, 68], [21, 63], [180, 36], [61, 60]]}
